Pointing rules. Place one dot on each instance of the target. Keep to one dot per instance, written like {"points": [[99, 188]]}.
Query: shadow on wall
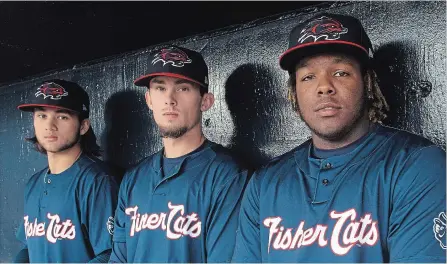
{"points": [[402, 82], [127, 131], [252, 102]]}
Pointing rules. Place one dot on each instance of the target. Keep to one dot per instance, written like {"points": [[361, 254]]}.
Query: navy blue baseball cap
{"points": [[175, 61], [327, 33], [58, 94]]}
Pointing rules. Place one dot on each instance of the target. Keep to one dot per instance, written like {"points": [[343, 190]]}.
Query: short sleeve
{"points": [[248, 242], [222, 226], [120, 215], [98, 211], [417, 230]]}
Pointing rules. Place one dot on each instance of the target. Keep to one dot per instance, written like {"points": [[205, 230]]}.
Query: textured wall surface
{"points": [[251, 114]]}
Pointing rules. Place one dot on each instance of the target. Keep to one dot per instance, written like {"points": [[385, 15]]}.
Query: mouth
{"points": [[50, 138], [327, 109], [171, 114]]}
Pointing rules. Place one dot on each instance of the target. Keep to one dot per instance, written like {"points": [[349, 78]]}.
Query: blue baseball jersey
{"points": [[384, 201], [68, 217], [188, 215]]}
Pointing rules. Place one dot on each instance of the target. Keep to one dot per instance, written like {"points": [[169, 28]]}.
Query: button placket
{"points": [[324, 187], [45, 193], [167, 179]]}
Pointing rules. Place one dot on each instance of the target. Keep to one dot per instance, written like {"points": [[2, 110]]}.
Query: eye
{"points": [[41, 115], [341, 74], [183, 89], [63, 117], [307, 78]]}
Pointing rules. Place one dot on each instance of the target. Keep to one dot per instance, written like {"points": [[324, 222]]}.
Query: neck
{"points": [[177, 147], [357, 132], [58, 162]]}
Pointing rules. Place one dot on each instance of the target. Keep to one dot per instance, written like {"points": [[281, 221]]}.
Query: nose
{"points": [[325, 86], [170, 98], [50, 124]]}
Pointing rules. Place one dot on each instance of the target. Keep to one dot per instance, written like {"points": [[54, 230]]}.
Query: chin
{"points": [[51, 150], [334, 135], [332, 131]]}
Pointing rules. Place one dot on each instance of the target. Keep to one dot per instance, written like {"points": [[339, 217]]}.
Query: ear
{"points": [[147, 95], [85, 126], [207, 102]]}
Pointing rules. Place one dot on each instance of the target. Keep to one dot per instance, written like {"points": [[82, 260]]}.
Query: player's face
{"points": [[177, 105], [56, 130], [330, 95]]}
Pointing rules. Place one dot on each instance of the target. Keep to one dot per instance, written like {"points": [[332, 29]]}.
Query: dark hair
{"points": [[202, 90], [88, 143], [377, 105]]}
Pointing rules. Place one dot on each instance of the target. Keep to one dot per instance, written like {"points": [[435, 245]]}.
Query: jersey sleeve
{"points": [[20, 235], [99, 207], [119, 235], [248, 241], [21, 232], [102, 257], [119, 253], [222, 223], [417, 230], [119, 249], [22, 256]]}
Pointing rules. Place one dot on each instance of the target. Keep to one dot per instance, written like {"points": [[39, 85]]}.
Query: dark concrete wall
{"points": [[251, 114]]}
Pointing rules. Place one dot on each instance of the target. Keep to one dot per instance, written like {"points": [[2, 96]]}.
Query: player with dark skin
{"points": [[331, 99], [357, 191]]}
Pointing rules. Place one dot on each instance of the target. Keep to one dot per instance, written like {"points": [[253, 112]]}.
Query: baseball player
{"points": [[357, 191], [180, 204], [69, 205]]}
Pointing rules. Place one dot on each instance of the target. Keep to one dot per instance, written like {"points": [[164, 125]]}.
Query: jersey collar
{"points": [[365, 149], [189, 162]]}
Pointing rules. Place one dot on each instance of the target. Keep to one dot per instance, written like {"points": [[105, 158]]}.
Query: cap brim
{"points": [[30, 107], [291, 56], [144, 80]]}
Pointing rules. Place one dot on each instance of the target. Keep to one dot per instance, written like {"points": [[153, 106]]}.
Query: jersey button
{"points": [[49, 180], [45, 192], [328, 166], [325, 181]]}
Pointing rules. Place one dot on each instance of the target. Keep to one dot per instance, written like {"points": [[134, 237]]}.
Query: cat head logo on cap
{"points": [[323, 27], [173, 56], [52, 90]]}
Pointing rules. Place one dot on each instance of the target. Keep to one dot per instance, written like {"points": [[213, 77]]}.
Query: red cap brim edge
{"points": [[30, 107], [141, 81], [282, 60]]}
